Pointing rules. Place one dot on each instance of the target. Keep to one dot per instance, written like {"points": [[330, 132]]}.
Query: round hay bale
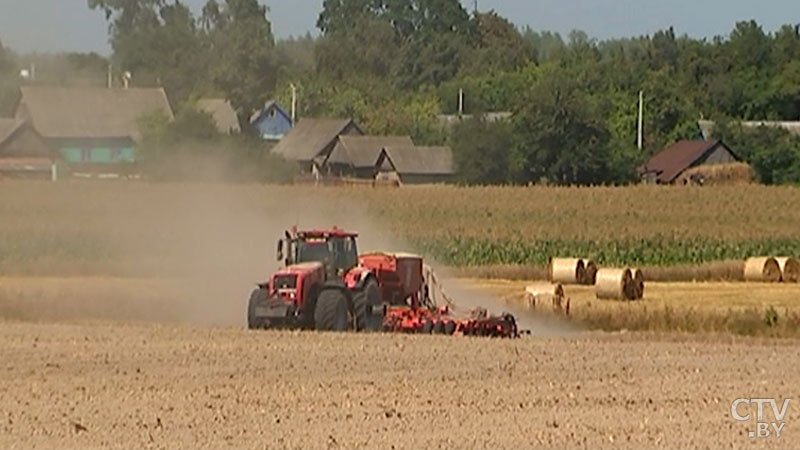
{"points": [[790, 269], [615, 284], [638, 283], [590, 273], [542, 294], [762, 269], [567, 270]]}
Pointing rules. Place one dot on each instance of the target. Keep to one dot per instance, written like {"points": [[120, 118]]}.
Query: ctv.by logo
{"points": [[763, 429]]}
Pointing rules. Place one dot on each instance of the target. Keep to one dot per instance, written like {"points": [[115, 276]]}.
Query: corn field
{"points": [[153, 228]]}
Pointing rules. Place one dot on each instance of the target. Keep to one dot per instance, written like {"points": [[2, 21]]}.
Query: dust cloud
{"points": [[188, 253]]}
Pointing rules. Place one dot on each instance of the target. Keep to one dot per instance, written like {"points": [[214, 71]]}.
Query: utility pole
{"points": [[476, 7], [460, 102], [640, 134], [110, 76]]}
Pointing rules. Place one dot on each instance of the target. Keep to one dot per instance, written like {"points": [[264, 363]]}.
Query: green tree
{"points": [[499, 48], [560, 134], [129, 15], [243, 53], [481, 151], [167, 52], [367, 48]]}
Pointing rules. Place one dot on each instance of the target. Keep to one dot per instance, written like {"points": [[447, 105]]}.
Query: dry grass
{"points": [[714, 271], [718, 174], [741, 308]]}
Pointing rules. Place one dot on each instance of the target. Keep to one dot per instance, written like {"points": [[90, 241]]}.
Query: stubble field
{"points": [[84, 386]]}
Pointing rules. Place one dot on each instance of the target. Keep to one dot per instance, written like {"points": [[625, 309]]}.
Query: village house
{"points": [[93, 130], [272, 121], [667, 166], [311, 142], [24, 153], [357, 156]]}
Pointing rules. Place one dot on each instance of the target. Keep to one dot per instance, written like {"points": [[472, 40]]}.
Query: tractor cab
{"points": [[335, 249]]}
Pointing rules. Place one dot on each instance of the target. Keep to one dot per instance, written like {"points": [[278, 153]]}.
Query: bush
{"points": [[191, 149]]}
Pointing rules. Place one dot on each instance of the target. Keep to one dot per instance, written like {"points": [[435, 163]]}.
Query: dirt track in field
{"points": [[102, 385]]}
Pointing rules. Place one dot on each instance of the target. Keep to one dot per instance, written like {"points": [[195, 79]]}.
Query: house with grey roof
{"points": [[24, 153], [357, 156], [415, 165], [91, 129], [222, 112], [311, 141]]}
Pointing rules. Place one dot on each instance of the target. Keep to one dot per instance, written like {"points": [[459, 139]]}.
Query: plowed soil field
{"points": [[83, 385]]}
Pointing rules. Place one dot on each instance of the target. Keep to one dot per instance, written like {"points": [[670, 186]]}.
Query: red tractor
{"points": [[325, 285]]}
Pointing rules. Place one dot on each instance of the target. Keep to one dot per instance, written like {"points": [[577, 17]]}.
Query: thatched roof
{"points": [[312, 138], [363, 151], [411, 160], [222, 112], [60, 112]]}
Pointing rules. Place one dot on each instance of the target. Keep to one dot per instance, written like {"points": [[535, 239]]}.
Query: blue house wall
{"points": [[273, 122]]}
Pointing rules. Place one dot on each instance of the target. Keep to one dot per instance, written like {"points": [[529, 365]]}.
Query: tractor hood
{"points": [[299, 269]]}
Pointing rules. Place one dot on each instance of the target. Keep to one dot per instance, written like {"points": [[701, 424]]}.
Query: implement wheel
{"points": [[331, 312], [364, 303]]}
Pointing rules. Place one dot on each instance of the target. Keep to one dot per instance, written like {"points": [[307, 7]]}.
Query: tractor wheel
{"points": [[450, 328], [363, 306], [257, 297], [331, 312], [427, 327]]}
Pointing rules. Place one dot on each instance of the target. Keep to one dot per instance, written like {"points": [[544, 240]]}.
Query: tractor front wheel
{"points": [[331, 313], [258, 297]]}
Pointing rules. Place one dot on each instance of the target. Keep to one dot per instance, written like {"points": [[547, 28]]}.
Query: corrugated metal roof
{"points": [[707, 126], [489, 117], [411, 160], [363, 151], [79, 112], [672, 161], [222, 112], [311, 137]]}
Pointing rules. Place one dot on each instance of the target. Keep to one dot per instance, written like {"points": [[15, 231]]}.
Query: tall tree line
{"points": [[395, 65]]}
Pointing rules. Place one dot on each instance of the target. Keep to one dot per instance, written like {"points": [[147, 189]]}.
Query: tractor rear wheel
{"points": [[363, 307], [331, 313], [258, 297]]}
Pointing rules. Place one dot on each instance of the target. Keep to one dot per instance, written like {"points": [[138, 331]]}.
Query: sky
{"points": [[69, 25]]}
